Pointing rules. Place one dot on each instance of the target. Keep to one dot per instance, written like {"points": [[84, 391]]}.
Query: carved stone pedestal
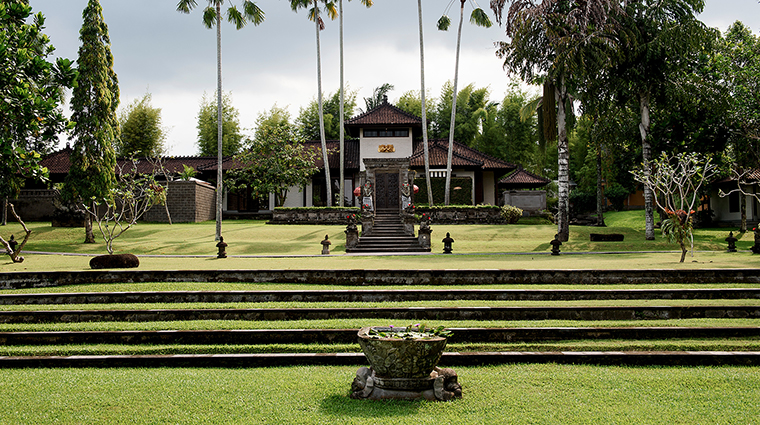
{"points": [[441, 385]]}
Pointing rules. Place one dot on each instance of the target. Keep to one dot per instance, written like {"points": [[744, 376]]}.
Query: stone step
{"points": [[448, 359]]}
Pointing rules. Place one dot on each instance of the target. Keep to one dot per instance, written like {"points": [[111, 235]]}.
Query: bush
{"points": [[511, 214], [617, 195], [461, 196], [582, 201]]}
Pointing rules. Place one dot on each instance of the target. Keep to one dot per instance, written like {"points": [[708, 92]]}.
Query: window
{"points": [[734, 202], [386, 133]]}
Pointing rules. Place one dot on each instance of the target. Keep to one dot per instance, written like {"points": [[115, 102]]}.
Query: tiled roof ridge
{"points": [[446, 141], [382, 105]]}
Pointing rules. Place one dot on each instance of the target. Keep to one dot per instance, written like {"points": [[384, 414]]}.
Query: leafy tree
{"points": [[319, 25], [212, 15], [93, 107], [232, 136], [509, 137], [307, 122], [30, 114], [676, 182], [657, 37], [341, 113], [141, 132], [555, 40], [479, 18], [276, 159]]}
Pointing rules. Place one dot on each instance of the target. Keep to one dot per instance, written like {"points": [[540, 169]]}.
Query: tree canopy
{"points": [[141, 132], [232, 136], [307, 121], [32, 88]]}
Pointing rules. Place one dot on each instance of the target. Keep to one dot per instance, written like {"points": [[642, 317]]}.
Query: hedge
{"points": [[461, 196]]}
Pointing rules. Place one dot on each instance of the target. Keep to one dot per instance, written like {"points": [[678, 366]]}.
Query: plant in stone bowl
{"points": [[416, 331], [403, 352]]}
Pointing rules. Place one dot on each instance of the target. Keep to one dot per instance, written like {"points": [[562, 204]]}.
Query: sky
{"points": [[172, 55]]}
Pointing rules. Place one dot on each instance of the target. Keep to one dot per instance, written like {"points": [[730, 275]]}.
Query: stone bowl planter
{"points": [[401, 358]]}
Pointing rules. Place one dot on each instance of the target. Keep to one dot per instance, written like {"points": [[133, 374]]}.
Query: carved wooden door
{"points": [[387, 192]]}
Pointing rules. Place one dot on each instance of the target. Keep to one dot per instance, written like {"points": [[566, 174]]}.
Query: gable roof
{"points": [[384, 115], [462, 156], [523, 179]]}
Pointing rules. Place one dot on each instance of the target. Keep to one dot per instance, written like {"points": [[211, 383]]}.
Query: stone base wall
{"points": [[188, 201], [530, 201], [34, 205], [312, 215], [459, 215]]}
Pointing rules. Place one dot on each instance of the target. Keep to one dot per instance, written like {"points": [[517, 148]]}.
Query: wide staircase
{"points": [[387, 235]]}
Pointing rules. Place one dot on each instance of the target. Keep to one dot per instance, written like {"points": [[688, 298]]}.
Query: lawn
{"points": [[550, 393]]}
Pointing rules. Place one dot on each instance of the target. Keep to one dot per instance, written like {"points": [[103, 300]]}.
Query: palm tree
{"points": [[553, 38], [367, 3], [479, 18], [212, 15], [320, 25], [426, 156]]}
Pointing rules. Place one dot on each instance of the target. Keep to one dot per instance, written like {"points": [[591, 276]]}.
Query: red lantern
{"points": [[357, 191], [416, 189]]}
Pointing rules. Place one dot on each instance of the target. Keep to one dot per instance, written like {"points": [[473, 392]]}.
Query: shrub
{"points": [[511, 214], [617, 195], [462, 196]]}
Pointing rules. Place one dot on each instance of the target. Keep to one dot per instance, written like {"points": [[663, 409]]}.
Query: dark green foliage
{"points": [[617, 194], [460, 193], [141, 131], [31, 89], [583, 201], [93, 106], [308, 118], [208, 131]]}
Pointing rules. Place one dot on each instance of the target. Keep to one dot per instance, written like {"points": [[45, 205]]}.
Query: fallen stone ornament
{"points": [[403, 366]]}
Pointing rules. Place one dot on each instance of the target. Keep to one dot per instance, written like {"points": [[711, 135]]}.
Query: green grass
{"points": [[357, 324], [317, 395]]}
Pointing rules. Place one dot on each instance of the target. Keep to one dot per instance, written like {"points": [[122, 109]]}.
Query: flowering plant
{"points": [[416, 331]]}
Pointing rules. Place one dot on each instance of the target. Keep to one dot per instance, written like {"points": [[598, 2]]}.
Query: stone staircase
{"points": [[387, 235]]}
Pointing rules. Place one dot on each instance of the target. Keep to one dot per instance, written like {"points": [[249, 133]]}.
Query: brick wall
{"points": [[33, 205], [188, 201]]}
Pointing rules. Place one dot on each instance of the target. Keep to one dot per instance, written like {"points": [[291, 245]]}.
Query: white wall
{"points": [[368, 147]]}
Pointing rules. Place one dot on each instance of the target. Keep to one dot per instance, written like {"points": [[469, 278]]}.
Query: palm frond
{"points": [[480, 18], [332, 11], [209, 17], [444, 23], [185, 6], [530, 108], [235, 17], [252, 12]]}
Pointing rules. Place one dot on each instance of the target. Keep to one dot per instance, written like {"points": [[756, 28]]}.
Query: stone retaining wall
{"points": [[312, 215], [16, 280], [458, 215]]}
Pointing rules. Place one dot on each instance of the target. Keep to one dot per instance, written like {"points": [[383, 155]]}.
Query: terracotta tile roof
{"points": [[752, 175], [523, 179], [385, 114], [58, 162], [462, 156]]}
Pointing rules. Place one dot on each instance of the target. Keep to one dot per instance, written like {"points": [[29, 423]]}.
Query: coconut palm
{"points": [[320, 25], [426, 156], [479, 18], [212, 15], [367, 3]]}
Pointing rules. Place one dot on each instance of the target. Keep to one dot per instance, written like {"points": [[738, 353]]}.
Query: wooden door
{"points": [[387, 191]]}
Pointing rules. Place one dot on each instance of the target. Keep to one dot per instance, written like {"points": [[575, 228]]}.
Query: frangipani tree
{"points": [[479, 18], [212, 16], [676, 182]]}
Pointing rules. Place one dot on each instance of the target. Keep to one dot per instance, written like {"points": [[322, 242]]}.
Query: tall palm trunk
{"points": [[646, 150], [340, 109], [219, 187], [447, 196], [424, 113], [599, 191], [328, 181], [563, 162]]}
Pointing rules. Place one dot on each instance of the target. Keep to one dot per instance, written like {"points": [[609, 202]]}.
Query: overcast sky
{"points": [[172, 55]]}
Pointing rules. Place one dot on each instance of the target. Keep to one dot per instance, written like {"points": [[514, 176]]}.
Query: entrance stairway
{"points": [[387, 235]]}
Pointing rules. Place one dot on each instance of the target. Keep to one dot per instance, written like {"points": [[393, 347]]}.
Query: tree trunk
{"points": [[743, 206], [5, 212], [424, 113], [599, 192], [219, 134], [683, 251], [328, 181], [89, 237], [563, 162], [342, 135], [447, 196], [646, 150]]}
